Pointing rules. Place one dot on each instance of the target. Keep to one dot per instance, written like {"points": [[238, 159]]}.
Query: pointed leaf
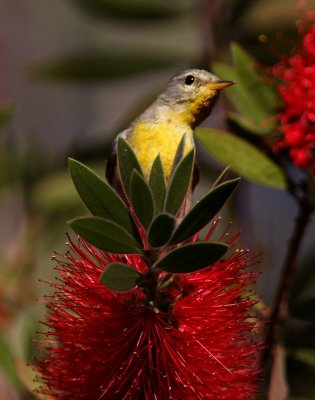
{"points": [[105, 235], [251, 78], [99, 197], [141, 199], [120, 277], [244, 98], [179, 184], [244, 123], [161, 230], [305, 355], [178, 155], [204, 211], [157, 183], [226, 72], [221, 177], [127, 162], [235, 93], [244, 158], [192, 257]]}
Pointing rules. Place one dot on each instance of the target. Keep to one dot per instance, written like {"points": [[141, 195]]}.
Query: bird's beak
{"points": [[220, 85]]}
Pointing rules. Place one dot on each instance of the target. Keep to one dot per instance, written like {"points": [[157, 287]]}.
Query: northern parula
{"points": [[186, 101]]}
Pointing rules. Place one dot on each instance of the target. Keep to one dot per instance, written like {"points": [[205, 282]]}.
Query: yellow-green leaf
{"points": [[244, 158]]}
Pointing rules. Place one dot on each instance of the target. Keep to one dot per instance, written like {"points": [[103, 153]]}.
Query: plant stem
{"points": [[280, 310]]}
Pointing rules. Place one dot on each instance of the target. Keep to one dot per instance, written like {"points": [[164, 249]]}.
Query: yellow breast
{"points": [[149, 140]]}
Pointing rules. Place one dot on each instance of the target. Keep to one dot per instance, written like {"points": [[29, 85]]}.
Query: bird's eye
{"points": [[189, 80]]}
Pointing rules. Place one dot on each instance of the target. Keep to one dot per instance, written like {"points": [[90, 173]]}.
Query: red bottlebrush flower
{"points": [[103, 344], [297, 91]]}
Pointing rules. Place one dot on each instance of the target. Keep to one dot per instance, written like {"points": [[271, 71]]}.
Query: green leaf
{"points": [[99, 197], [245, 95], [252, 79], [307, 356], [105, 235], [127, 162], [244, 103], [7, 362], [141, 199], [226, 72], [120, 277], [246, 124], [192, 257], [157, 183], [178, 155], [5, 116], [204, 211], [221, 177], [244, 159], [179, 184], [236, 93], [161, 230]]}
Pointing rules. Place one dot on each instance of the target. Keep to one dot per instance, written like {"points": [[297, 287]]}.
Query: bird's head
{"points": [[193, 93]]}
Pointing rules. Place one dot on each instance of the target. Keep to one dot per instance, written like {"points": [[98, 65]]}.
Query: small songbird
{"points": [[186, 101]]}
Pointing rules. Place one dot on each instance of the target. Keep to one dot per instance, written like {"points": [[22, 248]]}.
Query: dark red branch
{"points": [[280, 310]]}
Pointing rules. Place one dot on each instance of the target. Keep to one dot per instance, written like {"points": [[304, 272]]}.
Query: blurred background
{"points": [[73, 73]]}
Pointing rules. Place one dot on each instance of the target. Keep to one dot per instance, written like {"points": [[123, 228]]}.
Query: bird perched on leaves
{"points": [[186, 101]]}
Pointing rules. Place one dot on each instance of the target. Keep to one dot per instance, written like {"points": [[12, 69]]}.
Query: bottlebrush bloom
{"points": [[297, 91], [104, 344]]}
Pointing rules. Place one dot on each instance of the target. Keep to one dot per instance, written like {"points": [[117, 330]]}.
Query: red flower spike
{"points": [[297, 92], [103, 344]]}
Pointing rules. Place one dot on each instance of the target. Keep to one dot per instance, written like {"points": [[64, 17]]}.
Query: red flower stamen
{"points": [[297, 91], [103, 344]]}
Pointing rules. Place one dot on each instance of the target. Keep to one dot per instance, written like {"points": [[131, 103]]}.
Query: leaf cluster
{"points": [[245, 149], [155, 207]]}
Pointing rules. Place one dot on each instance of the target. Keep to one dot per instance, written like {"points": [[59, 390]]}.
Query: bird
{"points": [[185, 102]]}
